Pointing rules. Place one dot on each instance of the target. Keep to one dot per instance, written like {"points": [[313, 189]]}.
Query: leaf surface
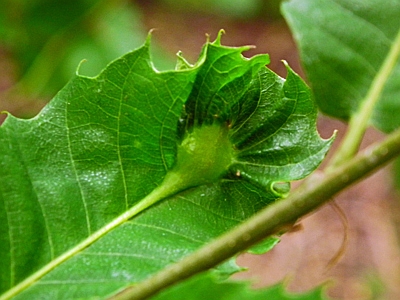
{"points": [[125, 173], [350, 52]]}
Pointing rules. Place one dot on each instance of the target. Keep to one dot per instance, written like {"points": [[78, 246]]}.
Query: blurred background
{"points": [[42, 42]]}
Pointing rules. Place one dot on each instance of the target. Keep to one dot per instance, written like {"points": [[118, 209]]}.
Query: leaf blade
{"points": [[108, 143], [358, 37]]}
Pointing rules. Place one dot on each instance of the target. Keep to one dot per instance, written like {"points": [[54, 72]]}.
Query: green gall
{"points": [[204, 155]]}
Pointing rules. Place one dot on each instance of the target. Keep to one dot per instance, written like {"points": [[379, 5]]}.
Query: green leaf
{"points": [[44, 39], [116, 29], [350, 53], [37, 33], [80, 181], [264, 246], [32, 23], [205, 286]]}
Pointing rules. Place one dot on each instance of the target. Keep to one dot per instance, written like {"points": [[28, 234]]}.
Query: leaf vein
{"points": [[69, 147]]}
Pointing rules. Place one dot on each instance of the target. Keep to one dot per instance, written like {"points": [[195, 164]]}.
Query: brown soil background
{"points": [[370, 266]]}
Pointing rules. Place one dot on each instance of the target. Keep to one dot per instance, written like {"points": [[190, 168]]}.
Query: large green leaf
{"points": [[215, 141], [350, 50], [25, 26], [45, 40]]}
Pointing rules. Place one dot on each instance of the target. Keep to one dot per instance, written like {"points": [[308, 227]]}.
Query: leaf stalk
{"points": [[360, 119], [170, 186]]}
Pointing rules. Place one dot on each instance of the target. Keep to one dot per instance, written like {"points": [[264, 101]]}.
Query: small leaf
{"points": [[350, 51], [122, 174], [264, 246], [205, 286]]}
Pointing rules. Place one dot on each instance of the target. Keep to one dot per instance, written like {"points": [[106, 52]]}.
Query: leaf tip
{"points": [[280, 188], [332, 137], [4, 112], [79, 66], [182, 63], [219, 36], [286, 64], [149, 36]]}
